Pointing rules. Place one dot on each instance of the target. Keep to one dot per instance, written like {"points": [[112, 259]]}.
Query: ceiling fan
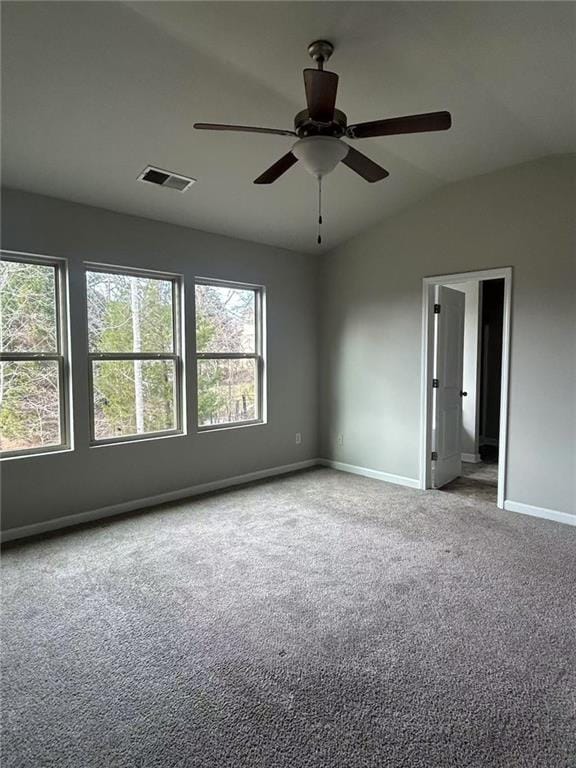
{"points": [[321, 127]]}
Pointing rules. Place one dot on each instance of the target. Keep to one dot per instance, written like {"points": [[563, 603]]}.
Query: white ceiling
{"points": [[94, 92]]}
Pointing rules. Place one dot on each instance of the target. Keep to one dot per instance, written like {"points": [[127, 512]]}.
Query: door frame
{"points": [[428, 285]]}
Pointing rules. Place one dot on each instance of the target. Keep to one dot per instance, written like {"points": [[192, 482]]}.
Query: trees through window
{"points": [[135, 365], [33, 365], [229, 353], [134, 350]]}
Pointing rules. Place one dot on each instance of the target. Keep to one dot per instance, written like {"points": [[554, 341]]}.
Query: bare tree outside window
{"points": [[32, 355], [135, 358], [229, 354]]}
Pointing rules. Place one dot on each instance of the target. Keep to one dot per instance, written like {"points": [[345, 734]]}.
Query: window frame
{"points": [[177, 356], [258, 354], [61, 356]]}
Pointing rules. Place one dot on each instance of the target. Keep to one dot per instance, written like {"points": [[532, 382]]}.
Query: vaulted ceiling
{"points": [[94, 92]]}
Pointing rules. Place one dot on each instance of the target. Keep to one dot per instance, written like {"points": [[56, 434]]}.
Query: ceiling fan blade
{"points": [[276, 170], [243, 128], [365, 167], [321, 87], [431, 121]]}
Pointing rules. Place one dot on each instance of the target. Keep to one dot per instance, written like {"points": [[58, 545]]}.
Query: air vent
{"points": [[168, 179]]}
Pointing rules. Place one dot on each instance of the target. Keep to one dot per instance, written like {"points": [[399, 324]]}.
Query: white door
{"points": [[448, 385]]}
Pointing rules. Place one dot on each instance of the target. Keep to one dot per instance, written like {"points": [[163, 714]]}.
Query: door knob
{"points": [[463, 394]]}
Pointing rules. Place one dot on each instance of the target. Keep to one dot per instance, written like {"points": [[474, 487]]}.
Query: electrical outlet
{"points": [[339, 439], [298, 438]]}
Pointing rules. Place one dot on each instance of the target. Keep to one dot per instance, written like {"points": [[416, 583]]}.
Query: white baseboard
{"points": [[547, 514], [471, 458], [196, 490], [373, 473], [150, 501]]}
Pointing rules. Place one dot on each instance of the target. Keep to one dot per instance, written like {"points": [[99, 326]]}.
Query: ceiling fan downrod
{"points": [[320, 51], [319, 210]]}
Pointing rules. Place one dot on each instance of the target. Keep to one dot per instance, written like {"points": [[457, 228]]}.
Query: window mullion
{"points": [[57, 302], [65, 437]]}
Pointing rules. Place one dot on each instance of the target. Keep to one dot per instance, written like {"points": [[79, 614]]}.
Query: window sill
{"points": [[37, 453], [132, 439], [227, 427]]}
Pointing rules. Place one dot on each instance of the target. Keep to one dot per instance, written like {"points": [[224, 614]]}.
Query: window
{"points": [[33, 360], [230, 366], [134, 345]]}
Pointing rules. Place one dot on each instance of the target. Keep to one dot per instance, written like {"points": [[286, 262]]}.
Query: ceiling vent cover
{"points": [[152, 175]]}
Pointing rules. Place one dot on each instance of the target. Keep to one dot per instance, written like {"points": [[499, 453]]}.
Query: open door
{"points": [[449, 314]]}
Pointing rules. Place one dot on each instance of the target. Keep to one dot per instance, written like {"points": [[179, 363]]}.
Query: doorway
{"points": [[465, 359]]}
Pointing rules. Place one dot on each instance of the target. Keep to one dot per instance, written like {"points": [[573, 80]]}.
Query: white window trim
{"points": [[61, 356], [177, 356], [258, 355]]}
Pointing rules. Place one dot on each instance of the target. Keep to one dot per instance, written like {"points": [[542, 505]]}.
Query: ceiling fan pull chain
{"points": [[319, 210]]}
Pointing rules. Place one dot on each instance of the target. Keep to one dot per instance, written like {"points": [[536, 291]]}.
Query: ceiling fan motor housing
{"points": [[305, 126]]}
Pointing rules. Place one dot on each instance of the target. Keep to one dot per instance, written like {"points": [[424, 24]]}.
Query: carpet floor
{"points": [[319, 619]]}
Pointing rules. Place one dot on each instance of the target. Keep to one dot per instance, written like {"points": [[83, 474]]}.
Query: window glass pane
{"points": [[227, 391], [27, 307], [129, 314], [133, 397], [225, 319], [29, 404]]}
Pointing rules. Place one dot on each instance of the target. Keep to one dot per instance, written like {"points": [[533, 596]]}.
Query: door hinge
{"points": [[436, 309], [434, 455], [435, 383]]}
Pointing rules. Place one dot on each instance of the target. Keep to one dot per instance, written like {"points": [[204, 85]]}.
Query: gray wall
{"points": [[371, 324], [39, 488], [370, 316]]}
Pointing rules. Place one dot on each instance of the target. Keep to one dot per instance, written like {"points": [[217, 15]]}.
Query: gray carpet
{"points": [[321, 619]]}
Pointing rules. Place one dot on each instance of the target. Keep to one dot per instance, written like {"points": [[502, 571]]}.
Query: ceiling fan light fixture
{"points": [[320, 154]]}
